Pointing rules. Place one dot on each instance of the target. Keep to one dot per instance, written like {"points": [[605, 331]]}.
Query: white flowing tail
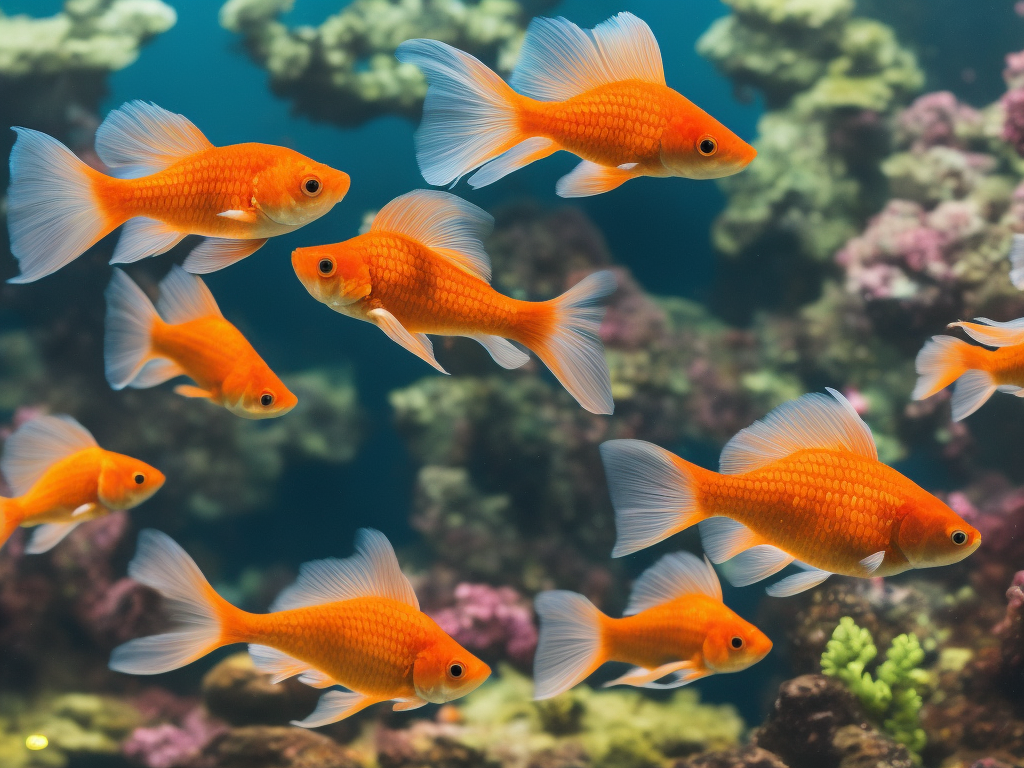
{"points": [[571, 645], [943, 360], [128, 330]]}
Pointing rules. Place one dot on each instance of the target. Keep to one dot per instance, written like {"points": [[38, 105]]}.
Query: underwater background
{"points": [[881, 207]]}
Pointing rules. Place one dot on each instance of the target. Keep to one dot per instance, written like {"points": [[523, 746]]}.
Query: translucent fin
{"points": [[588, 179], [39, 444], [972, 390], [567, 341], [450, 226], [939, 363], [191, 604], [47, 536], [372, 572], [872, 563], [334, 706], [140, 139], [798, 582], [559, 60], [142, 237], [641, 677], [724, 538], [811, 421], [53, 215], [316, 679], [156, 371], [1017, 261], [469, 114], [672, 577], [278, 664], [417, 343], [127, 330], [521, 155], [651, 491], [215, 253], [755, 564], [994, 334], [185, 297], [189, 390], [503, 352], [404, 705], [570, 644]]}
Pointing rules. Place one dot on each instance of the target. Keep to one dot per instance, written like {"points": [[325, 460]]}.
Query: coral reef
{"points": [[492, 622]]}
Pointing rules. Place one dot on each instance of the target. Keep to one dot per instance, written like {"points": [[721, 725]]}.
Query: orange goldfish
{"points": [[170, 182], [802, 485], [353, 622], [675, 625], [61, 478], [186, 335], [422, 269], [599, 93], [978, 372]]}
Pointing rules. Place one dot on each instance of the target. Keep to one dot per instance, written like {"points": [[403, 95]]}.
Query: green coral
{"points": [[891, 695]]}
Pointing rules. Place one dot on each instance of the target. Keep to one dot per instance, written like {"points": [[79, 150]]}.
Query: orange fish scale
{"points": [[1006, 364], [668, 632], [208, 348], [63, 487]]}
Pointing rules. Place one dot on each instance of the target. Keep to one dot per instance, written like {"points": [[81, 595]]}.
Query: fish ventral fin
{"points": [[142, 237], [798, 582], [446, 224], [502, 351], [47, 536], [971, 392], [190, 390], [589, 178], [559, 60], [39, 444], [404, 705], [682, 673], [140, 139], [372, 572], [675, 575], [417, 343], [992, 333], [216, 253], [334, 706], [750, 558], [184, 297], [280, 666], [810, 421]]}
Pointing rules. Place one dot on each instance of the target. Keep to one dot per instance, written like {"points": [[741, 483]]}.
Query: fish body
{"points": [[421, 269], [676, 626], [600, 94], [186, 335], [977, 371], [169, 182], [62, 479], [353, 622], [802, 486]]}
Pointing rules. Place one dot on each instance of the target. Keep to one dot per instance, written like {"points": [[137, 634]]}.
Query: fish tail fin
{"points": [[128, 330], [941, 361], [470, 115], [201, 620], [571, 643], [54, 210], [653, 492], [9, 519], [563, 333], [971, 392]]}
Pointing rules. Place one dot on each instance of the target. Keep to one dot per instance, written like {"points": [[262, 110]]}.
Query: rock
{"points": [[431, 745], [745, 757], [238, 693], [861, 747], [274, 747]]}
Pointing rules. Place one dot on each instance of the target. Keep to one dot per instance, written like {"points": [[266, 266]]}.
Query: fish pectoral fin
{"points": [[215, 253], [334, 706], [589, 178], [502, 351], [188, 390], [871, 563], [640, 677], [417, 343], [246, 217], [404, 705], [798, 582], [47, 536], [142, 237]]}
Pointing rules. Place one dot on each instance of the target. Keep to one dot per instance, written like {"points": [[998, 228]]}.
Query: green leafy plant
{"points": [[890, 695]]}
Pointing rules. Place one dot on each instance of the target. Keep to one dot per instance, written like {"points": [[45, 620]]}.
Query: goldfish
{"points": [[186, 335], [422, 268], [978, 372], [61, 478], [169, 182], [353, 622], [599, 93], [804, 485], [675, 626]]}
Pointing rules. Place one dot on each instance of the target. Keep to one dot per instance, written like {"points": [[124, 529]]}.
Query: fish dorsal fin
{"points": [[445, 223], [185, 297], [811, 421], [372, 572], [37, 445], [672, 577], [140, 139], [559, 60], [992, 333]]}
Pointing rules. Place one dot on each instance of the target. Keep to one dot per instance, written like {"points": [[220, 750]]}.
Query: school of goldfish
{"points": [[801, 487]]}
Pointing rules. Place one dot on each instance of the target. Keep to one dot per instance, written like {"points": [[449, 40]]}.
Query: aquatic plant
{"points": [[890, 695]]}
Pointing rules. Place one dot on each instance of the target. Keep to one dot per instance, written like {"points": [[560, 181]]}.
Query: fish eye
{"points": [[736, 643], [707, 146], [311, 186], [959, 538], [456, 670], [326, 267], [266, 399], [139, 478]]}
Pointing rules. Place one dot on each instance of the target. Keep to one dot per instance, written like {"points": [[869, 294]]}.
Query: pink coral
{"points": [[937, 119], [170, 746], [1013, 119], [491, 620]]}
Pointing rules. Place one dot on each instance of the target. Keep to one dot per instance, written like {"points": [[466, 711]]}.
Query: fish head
{"points": [[932, 534], [445, 671], [733, 644], [334, 275], [255, 392], [295, 190], [126, 482], [696, 146]]}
